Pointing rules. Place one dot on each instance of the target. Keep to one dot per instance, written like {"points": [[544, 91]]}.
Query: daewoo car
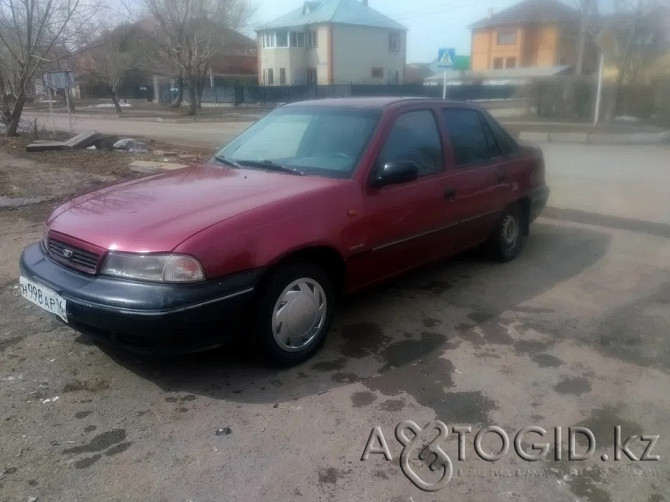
{"points": [[316, 200]]}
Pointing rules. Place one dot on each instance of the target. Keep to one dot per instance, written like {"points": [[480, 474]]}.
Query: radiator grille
{"points": [[73, 257]]}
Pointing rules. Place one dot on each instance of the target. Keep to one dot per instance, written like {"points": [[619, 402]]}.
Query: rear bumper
{"points": [[147, 317], [538, 200]]}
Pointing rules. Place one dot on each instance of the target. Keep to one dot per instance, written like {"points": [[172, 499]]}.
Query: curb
{"points": [[594, 138]]}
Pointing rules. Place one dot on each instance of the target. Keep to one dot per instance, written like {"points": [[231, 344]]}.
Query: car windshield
{"points": [[325, 141]]}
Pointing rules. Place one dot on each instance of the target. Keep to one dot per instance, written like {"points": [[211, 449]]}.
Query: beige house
{"points": [[332, 42], [532, 33]]}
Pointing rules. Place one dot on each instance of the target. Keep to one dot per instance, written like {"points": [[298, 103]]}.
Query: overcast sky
{"points": [[432, 23]]}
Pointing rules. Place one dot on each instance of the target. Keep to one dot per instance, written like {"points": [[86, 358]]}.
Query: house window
{"points": [[282, 38], [312, 39], [394, 42], [510, 63], [311, 76], [282, 76], [297, 39], [268, 40], [506, 37], [497, 63], [271, 77], [377, 73]]}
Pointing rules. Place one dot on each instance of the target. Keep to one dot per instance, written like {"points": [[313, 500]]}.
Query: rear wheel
{"points": [[508, 237], [294, 313]]}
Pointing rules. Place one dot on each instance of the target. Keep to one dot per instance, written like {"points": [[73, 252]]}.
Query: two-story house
{"points": [[332, 42], [541, 33]]}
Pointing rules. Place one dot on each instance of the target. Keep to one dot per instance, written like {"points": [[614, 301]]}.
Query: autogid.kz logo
{"points": [[426, 446]]}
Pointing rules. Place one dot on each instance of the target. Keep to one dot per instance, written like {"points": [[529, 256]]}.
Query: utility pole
{"points": [[599, 90]]}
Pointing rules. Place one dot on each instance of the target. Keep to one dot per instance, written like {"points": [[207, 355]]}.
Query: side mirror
{"points": [[392, 173]]}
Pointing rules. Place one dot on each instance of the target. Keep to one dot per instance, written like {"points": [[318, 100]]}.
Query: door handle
{"points": [[450, 193]]}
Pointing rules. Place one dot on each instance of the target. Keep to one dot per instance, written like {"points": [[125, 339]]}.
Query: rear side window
{"points": [[414, 137], [507, 145], [467, 136], [491, 141]]}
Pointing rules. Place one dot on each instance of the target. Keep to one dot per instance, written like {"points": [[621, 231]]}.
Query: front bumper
{"points": [[148, 317]]}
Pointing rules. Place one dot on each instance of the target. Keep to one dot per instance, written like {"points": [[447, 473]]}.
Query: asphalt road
{"points": [[575, 332]]}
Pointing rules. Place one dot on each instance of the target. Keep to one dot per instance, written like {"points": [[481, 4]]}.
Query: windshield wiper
{"points": [[272, 166], [226, 160]]}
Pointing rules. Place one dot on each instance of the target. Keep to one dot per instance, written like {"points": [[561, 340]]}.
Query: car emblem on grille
{"points": [[67, 253]]}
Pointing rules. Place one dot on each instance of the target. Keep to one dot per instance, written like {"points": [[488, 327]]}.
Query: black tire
{"points": [[501, 244], [272, 344]]}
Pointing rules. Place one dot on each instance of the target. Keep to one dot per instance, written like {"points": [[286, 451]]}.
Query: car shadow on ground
{"points": [[380, 335]]}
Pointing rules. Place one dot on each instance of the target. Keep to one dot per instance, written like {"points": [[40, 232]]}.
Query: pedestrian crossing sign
{"points": [[445, 58]]}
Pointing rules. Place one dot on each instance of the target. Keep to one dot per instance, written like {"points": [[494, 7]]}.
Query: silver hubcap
{"points": [[510, 230], [299, 314]]}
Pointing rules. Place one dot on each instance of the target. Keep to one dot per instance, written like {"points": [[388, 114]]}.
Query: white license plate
{"points": [[43, 297]]}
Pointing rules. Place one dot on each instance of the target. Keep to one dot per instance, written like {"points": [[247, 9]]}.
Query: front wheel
{"points": [[508, 237], [294, 313]]}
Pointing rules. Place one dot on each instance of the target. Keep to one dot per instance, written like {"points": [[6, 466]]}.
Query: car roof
{"points": [[379, 102]]}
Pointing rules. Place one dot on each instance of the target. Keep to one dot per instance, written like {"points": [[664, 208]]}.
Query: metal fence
{"points": [[287, 94]]}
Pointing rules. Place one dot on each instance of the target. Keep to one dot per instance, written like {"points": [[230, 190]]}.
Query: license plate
{"points": [[43, 297]]}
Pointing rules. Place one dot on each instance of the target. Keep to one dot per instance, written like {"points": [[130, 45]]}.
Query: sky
{"points": [[432, 23]]}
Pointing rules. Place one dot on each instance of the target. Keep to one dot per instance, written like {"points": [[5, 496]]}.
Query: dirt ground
{"points": [[575, 332]]}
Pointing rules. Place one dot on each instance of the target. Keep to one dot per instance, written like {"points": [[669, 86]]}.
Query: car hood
{"points": [[158, 213]]}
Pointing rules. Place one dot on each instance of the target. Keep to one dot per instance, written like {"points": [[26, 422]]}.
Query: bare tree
{"points": [[639, 37], [33, 34], [588, 28], [192, 32], [109, 63]]}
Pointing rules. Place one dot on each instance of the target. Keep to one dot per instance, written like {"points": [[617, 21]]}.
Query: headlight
{"points": [[153, 267]]}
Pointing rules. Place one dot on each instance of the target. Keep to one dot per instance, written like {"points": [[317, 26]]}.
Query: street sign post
{"points": [[607, 43], [445, 59], [54, 80]]}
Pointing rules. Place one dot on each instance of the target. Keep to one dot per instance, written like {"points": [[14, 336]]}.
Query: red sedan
{"points": [[316, 200]]}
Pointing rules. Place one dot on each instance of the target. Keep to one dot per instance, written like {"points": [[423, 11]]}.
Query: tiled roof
{"points": [[334, 11], [530, 11]]}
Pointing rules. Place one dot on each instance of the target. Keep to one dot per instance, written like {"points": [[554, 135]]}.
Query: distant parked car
{"points": [[315, 200]]}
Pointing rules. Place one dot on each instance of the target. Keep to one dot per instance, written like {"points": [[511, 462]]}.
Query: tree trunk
{"points": [[14, 119], [180, 94], [198, 96], [192, 98], [581, 41], [69, 100], [115, 100], [6, 113]]}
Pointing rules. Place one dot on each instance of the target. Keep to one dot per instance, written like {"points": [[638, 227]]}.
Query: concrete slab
{"points": [[44, 146], [536, 137], [82, 140], [78, 142], [569, 137]]}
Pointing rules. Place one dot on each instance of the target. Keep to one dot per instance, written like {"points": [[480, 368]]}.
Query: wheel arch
{"points": [[325, 257]]}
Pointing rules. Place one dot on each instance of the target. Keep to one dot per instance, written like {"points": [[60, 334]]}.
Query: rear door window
{"points": [[467, 136]]}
